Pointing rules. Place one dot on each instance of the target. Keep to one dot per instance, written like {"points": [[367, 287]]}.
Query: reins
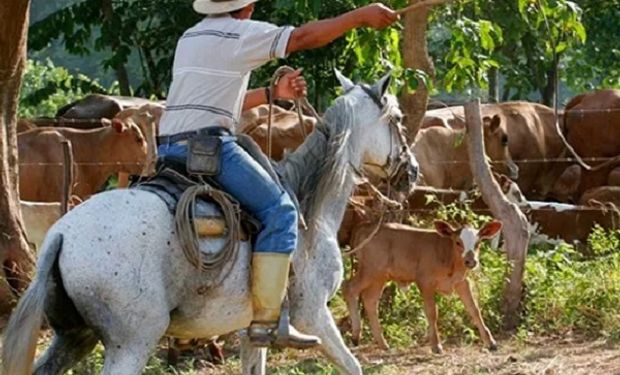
{"points": [[300, 104]]}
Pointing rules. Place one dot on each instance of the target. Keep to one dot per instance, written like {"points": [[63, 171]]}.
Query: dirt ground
{"points": [[545, 357]]}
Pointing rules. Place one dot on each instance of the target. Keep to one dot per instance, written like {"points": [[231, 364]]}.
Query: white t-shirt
{"points": [[212, 66]]}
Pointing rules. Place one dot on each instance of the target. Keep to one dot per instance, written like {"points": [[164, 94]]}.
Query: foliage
{"points": [[463, 48], [596, 64], [523, 38], [147, 27], [46, 88], [362, 55]]}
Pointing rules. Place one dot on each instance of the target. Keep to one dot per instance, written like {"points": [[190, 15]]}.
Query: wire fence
{"points": [[436, 162]]}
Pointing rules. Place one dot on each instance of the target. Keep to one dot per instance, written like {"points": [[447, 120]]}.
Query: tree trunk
{"points": [[550, 91], [515, 228], [15, 257], [493, 85], [121, 72], [415, 56]]}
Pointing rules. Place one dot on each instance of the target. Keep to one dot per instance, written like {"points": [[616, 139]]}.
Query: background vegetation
{"points": [[520, 46]]}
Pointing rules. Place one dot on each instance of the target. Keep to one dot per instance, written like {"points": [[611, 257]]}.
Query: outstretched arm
{"points": [[320, 33]]}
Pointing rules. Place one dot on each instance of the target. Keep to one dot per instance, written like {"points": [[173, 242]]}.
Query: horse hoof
{"points": [[438, 349], [493, 347]]}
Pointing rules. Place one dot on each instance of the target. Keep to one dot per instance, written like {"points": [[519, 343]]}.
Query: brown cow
{"points": [[576, 181], [602, 194], [286, 133], [24, 125], [592, 123], [98, 154], [558, 222], [146, 117], [442, 154], [532, 136], [436, 261]]}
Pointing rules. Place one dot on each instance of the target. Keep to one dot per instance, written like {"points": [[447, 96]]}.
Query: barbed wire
{"points": [[93, 163], [520, 161], [488, 210]]}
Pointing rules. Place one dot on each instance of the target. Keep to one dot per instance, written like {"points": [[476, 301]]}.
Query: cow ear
{"points": [[118, 125], [382, 86], [490, 230], [494, 123], [346, 83], [444, 229]]}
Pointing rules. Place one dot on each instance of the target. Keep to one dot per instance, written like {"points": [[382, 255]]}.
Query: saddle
{"points": [[169, 184]]}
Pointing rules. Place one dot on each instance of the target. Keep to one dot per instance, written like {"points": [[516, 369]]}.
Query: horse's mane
{"points": [[325, 156]]}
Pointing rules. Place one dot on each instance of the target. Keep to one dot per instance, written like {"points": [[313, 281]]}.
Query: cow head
{"points": [[466, 240], [496, 146], [146, 118], [130, 146]]}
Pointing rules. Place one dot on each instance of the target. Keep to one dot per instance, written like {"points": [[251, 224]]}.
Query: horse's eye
{"points": [[504, 140]]}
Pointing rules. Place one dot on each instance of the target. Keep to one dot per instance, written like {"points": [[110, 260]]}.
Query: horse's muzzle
{"points": [[406, 177]]}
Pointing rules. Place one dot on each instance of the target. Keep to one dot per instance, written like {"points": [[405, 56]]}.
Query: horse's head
{"points": [[385, 151]]}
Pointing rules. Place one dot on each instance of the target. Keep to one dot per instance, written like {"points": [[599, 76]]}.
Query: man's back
{"points": [[212, 67]]}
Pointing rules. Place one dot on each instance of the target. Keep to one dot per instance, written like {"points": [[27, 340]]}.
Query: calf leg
{"points": [[371, 297], [351, 290], [430, 309], [464, 291]]}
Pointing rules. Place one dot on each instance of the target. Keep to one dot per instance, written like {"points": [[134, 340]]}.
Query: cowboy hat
{"points": [[220, 6]]}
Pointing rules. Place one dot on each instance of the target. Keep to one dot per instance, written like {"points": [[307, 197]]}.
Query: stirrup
{"points": [[282, 336]]}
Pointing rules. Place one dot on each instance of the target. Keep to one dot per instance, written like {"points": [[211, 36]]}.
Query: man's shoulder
{"points": [[232, 25], [254, 25]]}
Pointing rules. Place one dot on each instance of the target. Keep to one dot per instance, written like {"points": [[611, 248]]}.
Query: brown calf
{"points": [[436, 261]]}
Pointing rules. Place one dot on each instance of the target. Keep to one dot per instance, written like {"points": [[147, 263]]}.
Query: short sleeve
{"points": [[262, 42]]}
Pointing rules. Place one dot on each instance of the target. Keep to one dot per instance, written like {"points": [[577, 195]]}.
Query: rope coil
{"points": [[187, 233]]}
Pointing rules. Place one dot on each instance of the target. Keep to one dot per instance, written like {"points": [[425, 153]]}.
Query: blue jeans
{"points": [[246, 180]]}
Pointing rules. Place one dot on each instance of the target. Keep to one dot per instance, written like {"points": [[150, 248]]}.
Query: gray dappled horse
{"points": [[112, 269]]}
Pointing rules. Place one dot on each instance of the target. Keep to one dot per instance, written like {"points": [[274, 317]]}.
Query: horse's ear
{"points": [[346, 83], [382, 86]]}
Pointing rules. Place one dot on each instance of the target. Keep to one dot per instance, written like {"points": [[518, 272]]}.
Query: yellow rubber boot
{"points": [[269, 282]]}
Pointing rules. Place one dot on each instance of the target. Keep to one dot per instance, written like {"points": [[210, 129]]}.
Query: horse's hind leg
{"points": [[128, 346], [67, 349]]}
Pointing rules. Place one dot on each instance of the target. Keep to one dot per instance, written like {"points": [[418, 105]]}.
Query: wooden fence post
{"points": [[516, 235]]}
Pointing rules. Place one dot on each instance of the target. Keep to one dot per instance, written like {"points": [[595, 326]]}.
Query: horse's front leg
{"points": [[318, 320], [310, 314], [253, 359]]}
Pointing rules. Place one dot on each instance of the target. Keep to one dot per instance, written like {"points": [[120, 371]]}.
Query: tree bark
{"points": [[550, 91], [15, 257], [493, 85], [515, 228], [415, 56]]}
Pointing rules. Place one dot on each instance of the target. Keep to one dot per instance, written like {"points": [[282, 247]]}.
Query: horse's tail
{"points": [[20, 338]]}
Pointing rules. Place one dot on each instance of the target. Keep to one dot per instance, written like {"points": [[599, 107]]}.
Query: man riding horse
{"points": [[209, 91]]}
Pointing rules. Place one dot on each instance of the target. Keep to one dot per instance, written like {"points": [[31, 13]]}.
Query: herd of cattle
{"points": [[562, 199]]}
